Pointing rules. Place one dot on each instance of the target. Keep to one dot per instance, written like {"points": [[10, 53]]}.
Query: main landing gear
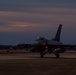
{"points": [[57, 55], [42, 54]]}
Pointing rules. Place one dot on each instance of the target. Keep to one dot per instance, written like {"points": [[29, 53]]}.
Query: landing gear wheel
{"points": [[42, 54], [57, 55]]}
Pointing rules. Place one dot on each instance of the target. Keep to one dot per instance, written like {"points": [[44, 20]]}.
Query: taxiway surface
{"points": [[32, 64]]}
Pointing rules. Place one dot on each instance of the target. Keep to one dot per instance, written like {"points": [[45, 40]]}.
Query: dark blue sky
{"points": [[21, 21]]}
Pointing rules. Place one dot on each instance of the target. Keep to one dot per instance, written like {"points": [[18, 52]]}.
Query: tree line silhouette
{"points": [[15, 47]]}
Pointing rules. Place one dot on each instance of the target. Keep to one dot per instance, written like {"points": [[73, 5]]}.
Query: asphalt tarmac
{"points": [[32, 64]]}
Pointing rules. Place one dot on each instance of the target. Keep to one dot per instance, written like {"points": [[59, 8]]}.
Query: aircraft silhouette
{"points": [[54, 45]]}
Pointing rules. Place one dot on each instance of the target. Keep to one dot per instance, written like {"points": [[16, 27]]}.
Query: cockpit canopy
{"points": [[40, 38]]}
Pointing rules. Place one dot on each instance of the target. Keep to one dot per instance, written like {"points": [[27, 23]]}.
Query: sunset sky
{"points": [[21, 21]]}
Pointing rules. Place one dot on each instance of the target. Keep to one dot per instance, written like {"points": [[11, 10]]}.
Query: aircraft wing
{"points": [[41, 47]]}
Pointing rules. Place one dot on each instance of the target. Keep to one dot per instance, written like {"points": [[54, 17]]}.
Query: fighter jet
{"points": [[54, 45]]}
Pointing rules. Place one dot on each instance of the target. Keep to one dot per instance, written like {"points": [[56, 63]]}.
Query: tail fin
{"points": [[57, 36]]}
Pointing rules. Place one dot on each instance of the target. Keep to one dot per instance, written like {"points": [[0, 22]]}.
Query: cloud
{"points": [[37, 3], [13, 26], [37, 18], [39, 14]]}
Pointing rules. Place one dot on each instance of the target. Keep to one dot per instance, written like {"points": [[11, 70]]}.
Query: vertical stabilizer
{"points": [[57, 36]]}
